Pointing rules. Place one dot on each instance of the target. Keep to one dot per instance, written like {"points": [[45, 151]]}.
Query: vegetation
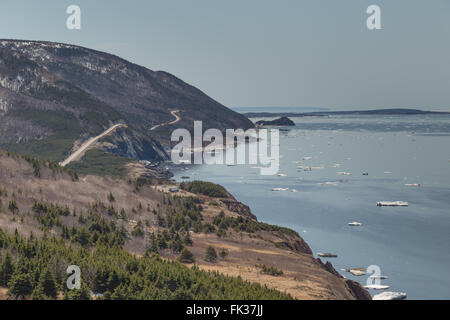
{"points": [[39, 164], [270, 270], [102, 163], [94, 237], [64, 127], [223, 253], [12, 206], [211, 254], [206, 188], [186, 256], [36, 268], [241, 224], [95, 229]]}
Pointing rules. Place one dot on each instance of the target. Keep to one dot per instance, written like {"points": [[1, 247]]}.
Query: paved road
{"points": [[177, 118], [80, 152]]}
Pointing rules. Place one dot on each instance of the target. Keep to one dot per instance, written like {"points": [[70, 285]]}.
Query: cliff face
{"points": [[64, 91], [355, 289]]}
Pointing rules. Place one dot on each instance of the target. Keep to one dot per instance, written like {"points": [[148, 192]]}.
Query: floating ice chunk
{"points": [[328, 183], [376, 287], [388, 295], [357, 271], [280, 189], [392, 204], [327, 255]]}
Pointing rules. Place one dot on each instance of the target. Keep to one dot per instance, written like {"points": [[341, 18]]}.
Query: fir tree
{"points": [[6, 269], [186, 256], [20, 286], [211, 254], [47, 285]]}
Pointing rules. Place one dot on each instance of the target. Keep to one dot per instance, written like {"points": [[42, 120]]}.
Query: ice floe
{"points": [[377, 287], [327, 255], [280, 189], [392, 204], [388, 295]]}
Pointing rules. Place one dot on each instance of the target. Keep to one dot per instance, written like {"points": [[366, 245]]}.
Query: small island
{"points": [[283, 121]]}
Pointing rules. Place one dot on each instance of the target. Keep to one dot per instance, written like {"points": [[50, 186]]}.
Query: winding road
{"points": [[177, 119], [85, 146], [81, 150]]}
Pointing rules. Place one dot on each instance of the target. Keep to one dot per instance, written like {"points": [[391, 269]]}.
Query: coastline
{"points": [[305, 265]]}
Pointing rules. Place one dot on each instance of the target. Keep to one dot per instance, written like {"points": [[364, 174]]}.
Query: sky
{"points": [[254, 53]]}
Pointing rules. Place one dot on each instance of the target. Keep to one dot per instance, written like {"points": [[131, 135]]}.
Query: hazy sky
{"points": [[266, 53]]}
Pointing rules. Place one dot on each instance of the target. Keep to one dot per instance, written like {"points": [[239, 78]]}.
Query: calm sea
{"points": [[411, 245]]}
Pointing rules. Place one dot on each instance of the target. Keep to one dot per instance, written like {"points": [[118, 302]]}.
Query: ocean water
{"points": [[411, 245]]}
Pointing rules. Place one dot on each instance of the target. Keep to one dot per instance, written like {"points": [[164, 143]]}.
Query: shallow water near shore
{"points": [[409, 244]]}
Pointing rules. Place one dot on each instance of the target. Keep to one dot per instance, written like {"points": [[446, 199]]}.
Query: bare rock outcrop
{"points": [[239, 208]]}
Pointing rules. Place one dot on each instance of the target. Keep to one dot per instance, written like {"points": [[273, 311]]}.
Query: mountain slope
{"points": [[53, 94], [143, 217]]}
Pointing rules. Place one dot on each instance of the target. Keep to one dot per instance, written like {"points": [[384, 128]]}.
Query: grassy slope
{"points": [[102, 163], [303, 276], [64, 126], [52, 186]]}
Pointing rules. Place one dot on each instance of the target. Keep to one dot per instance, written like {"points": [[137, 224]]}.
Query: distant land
{"points": [[283, 121], [279, 109], [329, 113]]}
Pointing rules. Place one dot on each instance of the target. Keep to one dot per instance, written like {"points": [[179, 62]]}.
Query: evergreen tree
{"points": [[111, 197], [223, 253], [152, 246], [38, 294], [188, 240], [186, 256], [13, 207], [78, 294], [83, 237], [20, 286], [6, 269], [176, 245], [47, 285], [211, 254]]}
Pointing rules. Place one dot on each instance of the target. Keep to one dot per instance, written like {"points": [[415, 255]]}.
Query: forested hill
{"points": [[140, 238], [52, 94]]}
